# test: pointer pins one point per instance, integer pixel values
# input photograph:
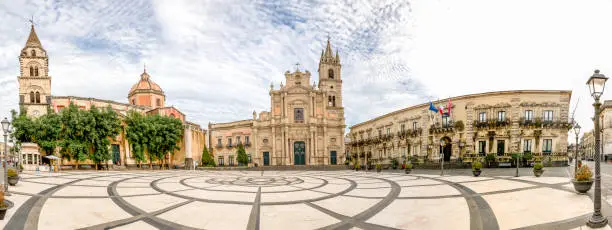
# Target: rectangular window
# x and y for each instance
(403, 127)
(231, 160)
(220, 161)
(482, 117)
(527, 146)
(414, 125)
(219, 142)
(379, 133)
(481, 147)
(501, 116)
(247, 140)
(548, 115)
(529, 115)
(445, 121)
(547, 148)
(298, 115)
(388, 131)
(229, 141)
(501, 147)
(250, 159)
(238, 140)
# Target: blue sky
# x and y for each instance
(215, 59)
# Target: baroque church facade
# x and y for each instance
(304, 127)
(145, 97)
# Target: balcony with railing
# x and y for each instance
(229, 145)
(219, 145)
(492, 123)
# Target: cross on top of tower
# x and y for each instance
(297, 66)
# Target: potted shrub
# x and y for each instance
(4, 204)
(394, 163)
(490, 158)
(408, 168)
(476, 166)
(13, 177)
(378, 167)
(356, 165)
(538, 169)
(583, 179)
(20, 167)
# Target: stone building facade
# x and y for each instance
(534, 121)
(587, 142)
(605, 123)
(145, 97)
(304, 127)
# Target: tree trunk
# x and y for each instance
(96, 166)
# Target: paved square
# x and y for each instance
(291, 200)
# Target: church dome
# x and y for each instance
(145, 85)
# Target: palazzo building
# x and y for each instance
(304, 127)
(502, 123)
(145, 97)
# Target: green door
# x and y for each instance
(266, 156)
(299, 153)
(332, 158)
(116, 154)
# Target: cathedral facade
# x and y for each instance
(145, 97)
(304, 127)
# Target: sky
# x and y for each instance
(215, 59)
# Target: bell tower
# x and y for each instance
(330, 76)
(34, 79)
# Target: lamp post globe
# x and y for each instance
(596, 84)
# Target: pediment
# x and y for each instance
(298, 89)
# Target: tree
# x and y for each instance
(207, 159)
(242, 158)
(136, 132)
(106, 125)
(75, 135)
(164, 134)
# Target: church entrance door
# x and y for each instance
(116, 154)
(299, 153)
(266, 156)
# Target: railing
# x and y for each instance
(219, 146)
(507, 157)
(247, 144)
(229, 145)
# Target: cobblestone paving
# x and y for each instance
(294, 200)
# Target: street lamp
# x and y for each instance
(5, 128)
(577, 132)
(597, 84)
(442, 143)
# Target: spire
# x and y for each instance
(328, 50)
(33, 38)
(337, 56)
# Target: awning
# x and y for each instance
(52, 157)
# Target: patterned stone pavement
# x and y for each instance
(293, 200)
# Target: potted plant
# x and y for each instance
(490, 158)
(538, 169)
(378, 167)
(4, 204)
(476, 166)
(408, 168)
(357, 165)
(20, 167)
(13, 177)
(583, 179)
(394, 163)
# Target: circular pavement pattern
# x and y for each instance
(292, 200)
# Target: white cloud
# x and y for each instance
(215, 59)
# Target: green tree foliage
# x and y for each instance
(207, 159)
(242, 158)
(77, 128)
(106, 124)
(136, 132)
(156, 135)
(48, 133)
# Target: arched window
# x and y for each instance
(32, 97)
(36, 71)
(334, 101)
(329, 100)
(31, 70)
(33, 53)
(37, 97)
(172, 115)
(330, 72)
(158, 102)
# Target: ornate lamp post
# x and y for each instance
(577, 132)
(597, 84)
(5, 128)
(442, 144)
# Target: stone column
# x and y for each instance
(188, 154)
(273, 154)
(325, 152)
